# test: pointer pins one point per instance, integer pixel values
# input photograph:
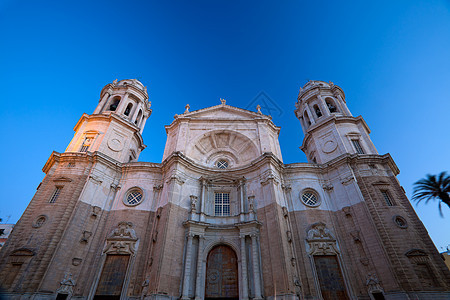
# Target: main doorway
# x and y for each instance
(221, 274)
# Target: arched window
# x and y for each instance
(138, 118)
(114, 103)
(331, 105)
(317, 110)
(128, 109)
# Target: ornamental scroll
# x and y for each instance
(321, 241)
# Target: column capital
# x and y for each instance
(286, 187)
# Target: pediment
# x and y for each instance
(416, 252)
(22, 252)
(380, 183)
(222, 112)
(222, 179)
(62, 179)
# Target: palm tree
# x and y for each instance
(433, 187)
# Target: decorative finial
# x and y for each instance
(149, 105)
(258, 108)
(187, 108)
(145, 89)
(223, 101)
(115, 82)
(331, 83)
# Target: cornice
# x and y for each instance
(142, 167)
(333, 119)
(331, 87)
(109, 117)
(265, 158)
(54, 157)
(111, 87)
(88, 156)
(190, 117)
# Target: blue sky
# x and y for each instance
(390, 57)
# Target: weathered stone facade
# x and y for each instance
(222, 216)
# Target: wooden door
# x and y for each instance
(330, 277)
(222, 274)
(112, 277)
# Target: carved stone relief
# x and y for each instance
(66, 285)
(122, 240)
(321, 241)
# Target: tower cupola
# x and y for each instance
(126, 98)
(329, 127)
(115, 128)
(317, 101)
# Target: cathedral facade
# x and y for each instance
(222, 217)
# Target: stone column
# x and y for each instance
(310, 115)
(323, 106)
(199, 280)
(102, 103)
(244, 269)
(344, 106)
(121, 106)
(187, 267)
(242, 206)
(144, 119)
(135, 113)
(202, 204)
(256, 275)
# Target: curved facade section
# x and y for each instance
(232, 147)
(222, 216)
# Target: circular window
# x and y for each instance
(40, 221)
(400, 222)
(133, 197)
(310, 198)
(222, 164)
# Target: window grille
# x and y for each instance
(55, 195)
(310, 199)
(134, 197)
(358, 147)
(387, 198)
(222, 204)
(86, 144)
(222, 164)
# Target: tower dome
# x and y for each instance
(126, 98)
(329, 127)
(318, 100)
(115, 128)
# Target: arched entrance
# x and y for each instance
(222, 274)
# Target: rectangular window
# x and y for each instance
(387, 198)
(86, 143)
(222, 204)
(358, 147)
(55, 194)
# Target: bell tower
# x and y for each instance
(117, 123)
(329, 127)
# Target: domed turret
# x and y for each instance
(329, 127)
(117, 123)
(128, 99)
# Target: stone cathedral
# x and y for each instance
(221, 217)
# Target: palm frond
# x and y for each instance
(433, 187)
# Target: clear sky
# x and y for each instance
(392, 58)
